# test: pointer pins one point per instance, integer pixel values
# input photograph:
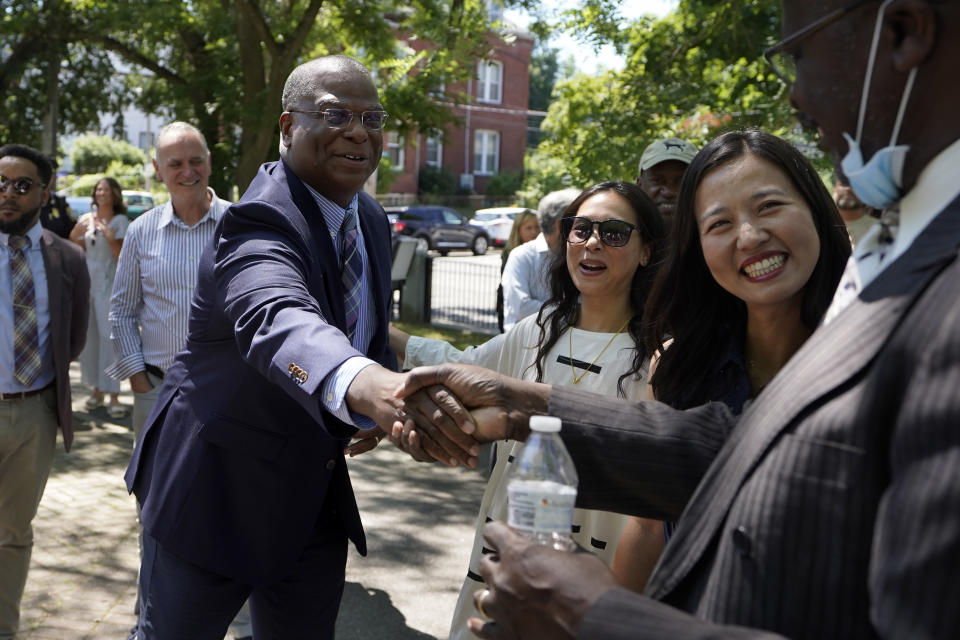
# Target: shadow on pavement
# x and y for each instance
(369, 613)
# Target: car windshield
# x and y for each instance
(483, 217)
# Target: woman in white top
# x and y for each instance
(100, 234)
(587, 335)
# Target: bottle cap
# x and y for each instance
(545, 424)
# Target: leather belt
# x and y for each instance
(20, 395)
(154, 370)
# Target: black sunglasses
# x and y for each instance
(613, 233)
(372, 120)
(21, 186)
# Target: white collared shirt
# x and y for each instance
(936, 187)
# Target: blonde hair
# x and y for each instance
(513, 241)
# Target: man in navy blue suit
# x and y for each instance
(240, 468)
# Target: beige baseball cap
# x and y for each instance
(667, 149)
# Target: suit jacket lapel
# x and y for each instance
(52, 264)
(832, 356)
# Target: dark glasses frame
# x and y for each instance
(779, 57)
(21, 186)
(337, 118)
(604, 230)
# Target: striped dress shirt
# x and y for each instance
(156, 276)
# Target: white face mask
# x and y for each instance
(879, 182)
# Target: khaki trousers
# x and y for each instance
(28, 435)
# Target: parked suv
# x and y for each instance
(438, 228)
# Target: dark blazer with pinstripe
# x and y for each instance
(831, 509)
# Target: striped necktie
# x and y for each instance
(26, 341)
(351, 270)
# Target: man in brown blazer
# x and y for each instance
(44, 297)
(831, 508)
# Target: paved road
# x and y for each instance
(419, 521)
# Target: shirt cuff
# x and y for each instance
(126, 366)
(334, 390)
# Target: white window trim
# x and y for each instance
(395, 142)
(481, 138)
(439, 142)
(483, 84)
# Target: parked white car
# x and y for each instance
(497, 221)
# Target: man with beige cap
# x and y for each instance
(661, 169)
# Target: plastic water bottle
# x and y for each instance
(542, 487)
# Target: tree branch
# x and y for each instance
(251, 10)
(134, 56)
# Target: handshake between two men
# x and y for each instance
(443, 413)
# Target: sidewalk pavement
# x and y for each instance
(419, 521)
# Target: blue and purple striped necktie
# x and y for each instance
(351, 270)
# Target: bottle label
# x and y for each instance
(540, 506)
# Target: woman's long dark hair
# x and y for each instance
(688, 305)
(563, 308)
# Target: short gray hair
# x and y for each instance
(180, 128)
(552, 206)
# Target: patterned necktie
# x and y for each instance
(867, 261)
(26, 342)
(351, 270)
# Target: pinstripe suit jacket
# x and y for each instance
(832, 508)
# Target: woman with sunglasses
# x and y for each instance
(758, 250)
(100, 234)
(588, 335)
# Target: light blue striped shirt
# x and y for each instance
(334, 388)
(34, 255)
(153, 287)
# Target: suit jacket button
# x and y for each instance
(741, 540)
(331, 464)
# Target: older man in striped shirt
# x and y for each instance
(157, 269)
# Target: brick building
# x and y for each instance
(493, 132)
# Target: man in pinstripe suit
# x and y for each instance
(831, 509)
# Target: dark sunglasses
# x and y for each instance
(372, 120)
(21, 186)
(613, 233)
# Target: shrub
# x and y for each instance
(94, 154)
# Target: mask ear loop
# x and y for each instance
(869, 76)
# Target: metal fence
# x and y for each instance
(463, 294)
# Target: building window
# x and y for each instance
(434, 151)
(486, 152)
(395, 146)
(490, 81)
(146, 140)
(494, 11)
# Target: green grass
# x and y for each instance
(460, 338)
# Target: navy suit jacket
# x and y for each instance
(239, 455)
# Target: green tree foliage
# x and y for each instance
(436, 180)
(544, 66)
(221, 64)
(506, 183)
(94, 154)
(693, 74)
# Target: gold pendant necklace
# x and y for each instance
(573, 371)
